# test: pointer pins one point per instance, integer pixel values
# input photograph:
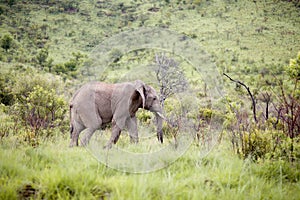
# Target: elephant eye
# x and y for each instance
(154, 98)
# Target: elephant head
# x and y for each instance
(145, 97)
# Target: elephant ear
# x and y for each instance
(140, 88)
(137, 98)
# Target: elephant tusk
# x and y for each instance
(160, 115)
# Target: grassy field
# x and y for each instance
(54, 171)
(250, 40)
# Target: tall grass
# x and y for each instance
(54, 171)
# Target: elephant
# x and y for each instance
(97, 104)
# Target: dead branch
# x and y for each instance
(250, 94)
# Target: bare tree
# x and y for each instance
(170, 77)
(171, 80)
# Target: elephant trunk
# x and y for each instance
(159, 122)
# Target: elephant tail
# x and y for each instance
(71, 122)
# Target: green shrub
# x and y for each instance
(70, 5)
(37, 106)
(42, 109)
(172, 106)
(115, 55)
(6, 42)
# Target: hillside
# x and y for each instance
(238, 34)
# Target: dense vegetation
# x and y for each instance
(45, 55)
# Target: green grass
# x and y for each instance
(54, 171)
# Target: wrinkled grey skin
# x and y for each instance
(96, 104)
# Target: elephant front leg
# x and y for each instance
(133, 130)
(116, 131)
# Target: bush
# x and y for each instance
(255, 144)
(6, 42)
(38, 107)
(269, 144)
(41, 111)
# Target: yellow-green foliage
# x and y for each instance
(256, 144)
(46, 103)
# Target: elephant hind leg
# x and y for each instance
(92, 123)
(76, 128)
